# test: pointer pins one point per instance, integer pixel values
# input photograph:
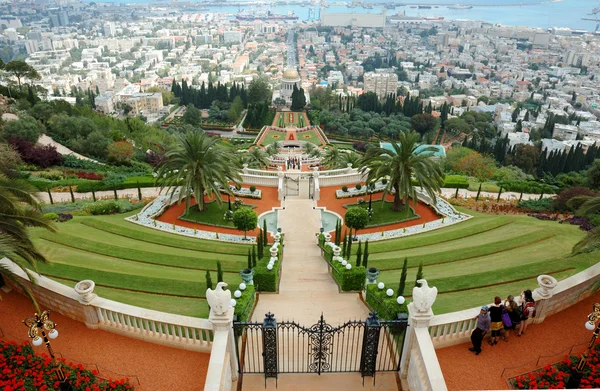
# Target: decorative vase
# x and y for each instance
(85, 289)
(372, 274)
(247, 276)
(546, 283)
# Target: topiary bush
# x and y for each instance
(252, 189)
(345, 189)
(358, 186)
(348, 280)
(102, 208)
(244, 304)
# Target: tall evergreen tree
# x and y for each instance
(209, 284)
(259, 246)
(249, 259)
(402, 283)
(253, 256)
(219, 272)
(365, 260)
(419, 275)
(358, 254)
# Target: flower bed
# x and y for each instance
(353, 192)
(582, 222)
(556, 376)
(245, 192)
(22, 369)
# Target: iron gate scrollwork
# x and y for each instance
(292, 186)
(367, 347)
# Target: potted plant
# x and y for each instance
(247, 276)
(372, 274)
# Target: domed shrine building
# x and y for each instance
(289, 79)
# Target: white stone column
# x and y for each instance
(223, 366)
(416, 319)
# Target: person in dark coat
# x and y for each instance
(483, 327)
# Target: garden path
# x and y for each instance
(306, 289)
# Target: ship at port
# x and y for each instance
(426, 7)
(460, 7)
(266, 16)
(434, 19)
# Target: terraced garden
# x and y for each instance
(138, 265)
(474, 261)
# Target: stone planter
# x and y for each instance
(547, 284)
(273, 251)
(85, 289)
(327, 237)
(247, 276)
(372, 274)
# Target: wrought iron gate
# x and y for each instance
(274, 347)
(311, 187)
(292, 186)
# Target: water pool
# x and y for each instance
(271, 218)
(328, 221)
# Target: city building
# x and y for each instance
(382, 82)
(144, 102)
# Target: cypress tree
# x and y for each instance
(219, 272)
(265, 234)
(259, 245)
(365, 260)
(93, 194)
(344, 243)
(478, 191)
(419, 275)
(349, 247)
(499, 193)
(139, 191)
(402, 283)
(253, 256)
(358, 254)
(209, 284)
(249, 259)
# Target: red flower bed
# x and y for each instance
(92, 176)
(556, 376)
(22, 370)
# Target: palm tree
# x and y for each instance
(586, 206)
(351, 158)
(199, 165)
(308, 147)
(333, 158)
(19, 209)
(401, 165)
(273, 148)
(256, 158)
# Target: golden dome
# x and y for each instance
(291, 74)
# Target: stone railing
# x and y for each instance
(551, 297)
(256, 172)
(81, 304)
(339, 171)
(344, 179)
(260, 180)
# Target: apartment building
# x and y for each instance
(381, 82)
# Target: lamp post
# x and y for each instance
(370, 187)
(42, 322)
(575, 378)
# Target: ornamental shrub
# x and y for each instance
(384, 181)
(560, 202)
(387, 308)
(344, 189)
(358, 186)
(252, 189)
(245, 219)
(51, 216)
(244, 304)
(102, 208)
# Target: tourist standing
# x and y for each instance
(497, 326)
(527, 311)
(483, 326)
(512, 308)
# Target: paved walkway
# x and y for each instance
(542, 344)
(306, 290)
(158, 368)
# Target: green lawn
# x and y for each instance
(213, 215)
(488, 255)
(273, 136)
(383, 213)
(137, 265)
(310, 136)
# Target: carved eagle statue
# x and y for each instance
(424, 297)
(219, 299)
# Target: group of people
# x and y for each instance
(502, 317)
(294, 163)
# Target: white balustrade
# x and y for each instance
(424, 371)
(268, 181)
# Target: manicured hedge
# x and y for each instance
(267, 280)
(85, 185)
(244, 303)
(456, 181)
(386, 307)
(348, 280)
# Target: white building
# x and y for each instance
(109, 29)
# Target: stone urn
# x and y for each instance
(372, 274)
(546, 283)
(327, 237)
(85, 289)
(273, 250)
(247, 276)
